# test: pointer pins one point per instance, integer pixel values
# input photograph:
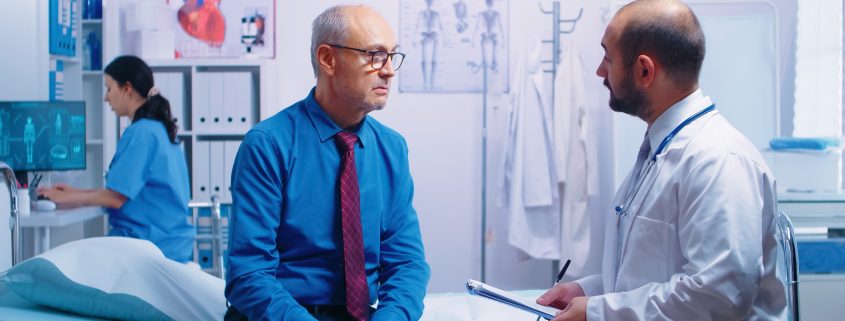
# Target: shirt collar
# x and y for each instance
(326, 127)
(675, 115)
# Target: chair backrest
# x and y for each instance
(786, 235)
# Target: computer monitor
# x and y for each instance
(42, 135)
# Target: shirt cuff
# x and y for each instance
(591, 284)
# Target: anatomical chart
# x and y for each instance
(450, 43)
(225, 28)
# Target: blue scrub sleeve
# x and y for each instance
(257, 189)
(404, 273)
(130, 167)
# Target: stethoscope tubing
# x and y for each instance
(622, 209)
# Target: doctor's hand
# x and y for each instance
(575, 311)
(560, 295)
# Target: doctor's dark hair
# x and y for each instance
(133, 70)
(677, 43)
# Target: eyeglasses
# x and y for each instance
(379, 57)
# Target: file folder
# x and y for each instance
(489, 292)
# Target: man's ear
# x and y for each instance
(326, 60)
(644, 71)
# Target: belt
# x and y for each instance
(315, 309)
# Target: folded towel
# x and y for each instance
(803, 143)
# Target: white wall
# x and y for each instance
(444, 137)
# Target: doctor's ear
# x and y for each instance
(644, 69)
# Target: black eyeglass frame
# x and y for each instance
(373, 53)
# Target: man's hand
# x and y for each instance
(560, 295)
(575, 311)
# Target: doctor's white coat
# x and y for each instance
(529, 188)
(698, 242)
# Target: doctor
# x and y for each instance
(692, 234)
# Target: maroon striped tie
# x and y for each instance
(357, 292)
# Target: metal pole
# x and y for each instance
(15, 219)
(484, 174)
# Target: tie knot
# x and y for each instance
(346, 140)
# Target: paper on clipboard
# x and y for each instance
(487, 291)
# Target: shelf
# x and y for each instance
(205, 62)
(92, 72)
(65, 59)
(92, 21)
(92, 141)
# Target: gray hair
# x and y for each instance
(328, 28)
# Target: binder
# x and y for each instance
(237, 100)
(200, 171)
(230, 149)
(171, 86)
(217, 168)
(489, 292)
(215, 102)
(200, 102)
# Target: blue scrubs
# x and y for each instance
(151, 172)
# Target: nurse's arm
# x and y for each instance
(66, 198)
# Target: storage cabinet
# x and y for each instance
(813, 215)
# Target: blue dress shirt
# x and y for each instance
(152, 174)
(285, 243)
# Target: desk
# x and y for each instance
(42, 221)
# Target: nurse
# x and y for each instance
(147, 187)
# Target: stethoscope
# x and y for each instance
(622, 209)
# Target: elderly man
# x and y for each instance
(323, 225)
(693, 230)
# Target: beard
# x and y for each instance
(634, 102)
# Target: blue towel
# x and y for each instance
(805, 143)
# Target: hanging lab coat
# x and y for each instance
(698, 241)
(576, 165)
(529, 187)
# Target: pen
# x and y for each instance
(562, 271)
(560, 276)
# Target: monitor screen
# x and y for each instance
(43, 136)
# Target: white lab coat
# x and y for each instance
(699, 238)
(529, 187)
(576, 164)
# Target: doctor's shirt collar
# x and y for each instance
(675, 115)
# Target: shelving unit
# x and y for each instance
(33, 68)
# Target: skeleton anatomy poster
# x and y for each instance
(449, 43)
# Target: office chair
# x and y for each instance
(786, 232)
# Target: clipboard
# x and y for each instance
(489, 292)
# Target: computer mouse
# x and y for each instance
(44, 205)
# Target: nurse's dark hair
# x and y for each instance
(676, 42)
(135, 72)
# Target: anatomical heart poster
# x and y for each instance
(225, 28)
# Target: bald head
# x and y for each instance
(668, 31)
